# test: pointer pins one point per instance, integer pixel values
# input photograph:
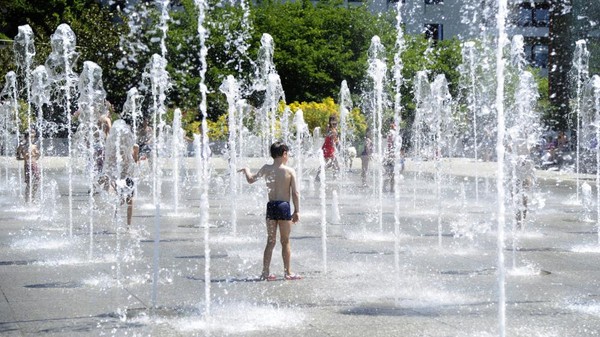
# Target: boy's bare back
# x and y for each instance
(280, 181)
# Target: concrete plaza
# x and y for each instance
(92, 277)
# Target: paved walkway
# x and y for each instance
(437, 277)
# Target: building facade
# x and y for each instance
(469, 19)
(550, 29)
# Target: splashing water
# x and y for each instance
(502, 39)
(323, 197)
(398, 83)
(346, 135)
(335, 206)
(230, 88)
(201, 6)
(178, 151)
(377, 73)
(60, 65)
(441, 129)
(40, 97)
(579, 76)
(592, 121)
(11, 120)
(90, 137)
(24, 54)
(158, 78)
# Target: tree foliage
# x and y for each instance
(317, 46)
(97, 29)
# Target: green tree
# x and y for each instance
(98, 35)
(97, 28)
(318, 46)
(224, 24)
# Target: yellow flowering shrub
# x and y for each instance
(217, 130)
(315, 114)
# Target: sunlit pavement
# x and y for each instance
(369, 282)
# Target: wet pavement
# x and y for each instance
(432, 270)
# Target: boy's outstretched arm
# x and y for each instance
(251, 178)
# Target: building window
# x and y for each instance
(541, 15)
(532, 14)
(524, 17)
(539, 55)
(434, 2)
(434, 31)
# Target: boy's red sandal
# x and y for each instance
(268, 278)
(292, 277)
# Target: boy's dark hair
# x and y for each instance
(27, 135)
(277, 149)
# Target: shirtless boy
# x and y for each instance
(281, 183)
